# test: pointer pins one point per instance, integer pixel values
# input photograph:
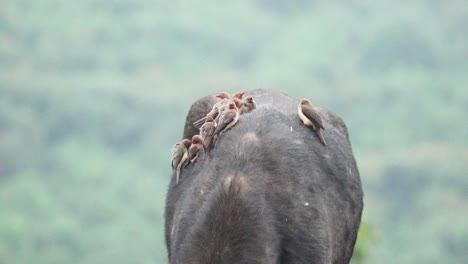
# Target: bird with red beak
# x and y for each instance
(237, 103)
(225, 95)
(238, 95)
(216, 109)
(311, 118)
(195, 148)
(179, 156)
(207, 133)
(227, 119)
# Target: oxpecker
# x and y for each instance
(207, 133)
(227, 119)
(179, 156)
(195, 148)
(311, 118)
(219, 106)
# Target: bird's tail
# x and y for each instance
(215, 139)
(207, 151)
(322, 138)
(185, 164)
(208, 145)
(199, 122)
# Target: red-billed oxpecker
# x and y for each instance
(225, 95)
(238, 95)
(219, 106)
(227, 119)
(207, 133)
(236, 101)
(311, 118)
(195, 148)
(179, 156)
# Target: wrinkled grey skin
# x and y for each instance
(270, 193)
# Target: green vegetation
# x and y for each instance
(93, 94)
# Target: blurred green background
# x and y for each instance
(94, 93)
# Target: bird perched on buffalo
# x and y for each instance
(207, 133)
(247, 105)
(179, 156)
(237, 103)
(219, 106)
(311, 118)
(227, 119)
(195, 148)
(238, 95)
(225, 95)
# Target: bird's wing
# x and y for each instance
(220, 104)
(174, 149)
(207, 130)
(192, 151)
(224, 121)
(176, 155)
(207, 134)
(199, 121)
(214, 112)
(313, 116)
(210, 130)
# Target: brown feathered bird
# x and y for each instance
(238, 95)
(179, 156)
(247, 105)
(219, 106)
(207, 133)
(311, 118)
(195, 148)
(237, 103)
(227, 119)
(225, 95)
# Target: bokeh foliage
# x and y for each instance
(93, 94)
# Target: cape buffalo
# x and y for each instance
(271, 192)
